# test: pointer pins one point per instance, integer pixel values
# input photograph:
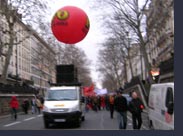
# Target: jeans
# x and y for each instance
(122, 119)
(14, 113)
(34, 109)
(111, 110)
(137, 121)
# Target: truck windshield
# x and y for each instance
(57, 95)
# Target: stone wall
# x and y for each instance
(6, 98)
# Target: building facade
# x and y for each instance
(32, 59)
(160, 31)
(43, 63)
(137, 62)
(160, 45)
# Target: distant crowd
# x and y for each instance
(119, 103)
(114, 102)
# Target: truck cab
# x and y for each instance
(63, 104)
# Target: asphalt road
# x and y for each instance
(93, 121)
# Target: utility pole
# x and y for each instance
(129, 53)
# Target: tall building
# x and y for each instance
(43, 62)
(137, 62)
(160, 46)
(32, 59)
(160, 31)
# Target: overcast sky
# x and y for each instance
(91, 43)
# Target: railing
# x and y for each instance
(6, 98)
(5, 89)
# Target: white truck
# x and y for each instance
(161, 106)
(63, 104)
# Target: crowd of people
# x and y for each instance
(97, 103)
(117, 102)
(35, 105)
(114, 102)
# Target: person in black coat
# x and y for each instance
(136, 107)
(25, 106)
(120, 104)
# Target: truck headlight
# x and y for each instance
(74, 108)
(46, 109)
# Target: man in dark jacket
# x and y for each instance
(25, 106)
(135, 107)
(120, 105)
(111, 105)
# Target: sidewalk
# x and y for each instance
(9, 115)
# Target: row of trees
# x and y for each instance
(71, 54)
(34, 15)
(125, 26)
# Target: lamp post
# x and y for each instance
(16, 64)
(128, 50)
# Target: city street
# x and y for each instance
(61, 58)
(93, 121)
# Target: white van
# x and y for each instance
(63, 104)
(161, 106)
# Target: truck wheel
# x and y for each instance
(78, 123)
(46, 124)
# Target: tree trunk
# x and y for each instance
(141, 63)
(146, 61)
(118, 78)
(8, 55)
(126, 80)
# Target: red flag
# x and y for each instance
(89, 91)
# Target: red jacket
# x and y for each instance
(14, 102)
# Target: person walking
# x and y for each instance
(38, 105)
(95, 103)
(99, 102)
(136, 107)
(14, 106)
(107, 102)
(111, 105)
(120, 104)
(102, 102)
(25, 106)
(86, 104)
(33, 104)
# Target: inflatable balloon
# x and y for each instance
(70, 25)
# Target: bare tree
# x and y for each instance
(109, 84)
(110, 63)
(12, 13)
(122, 41)
(131, 15)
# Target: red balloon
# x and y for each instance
(70, 25)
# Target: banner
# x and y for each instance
(101, 91)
